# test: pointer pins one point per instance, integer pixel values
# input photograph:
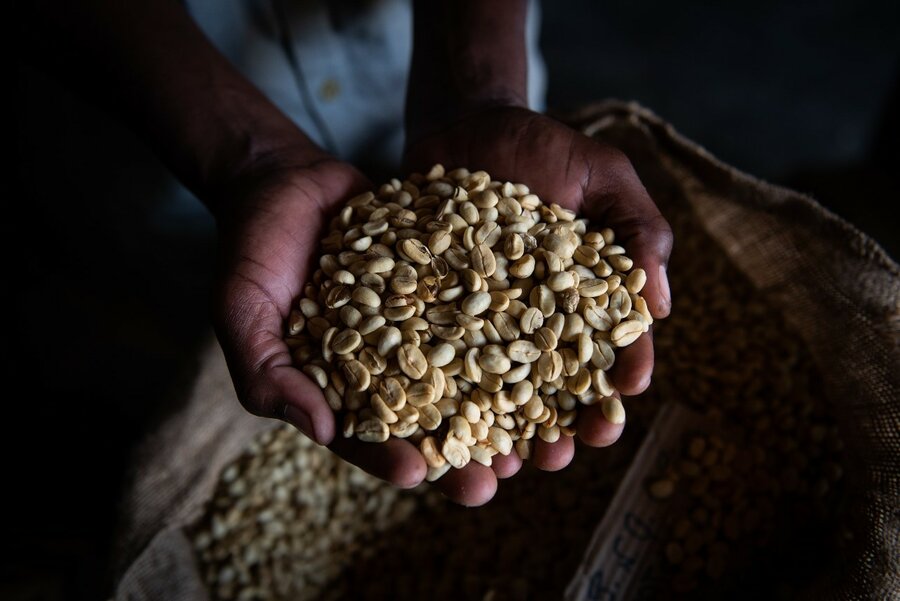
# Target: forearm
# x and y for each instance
(467, 55)
(148, 61)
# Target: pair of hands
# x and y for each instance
(270, 231)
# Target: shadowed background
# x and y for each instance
(107, 288)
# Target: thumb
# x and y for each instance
(615, 197)
(249, 327)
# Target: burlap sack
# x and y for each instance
(837, 287)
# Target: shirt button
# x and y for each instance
(329, 90)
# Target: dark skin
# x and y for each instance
(272, 189)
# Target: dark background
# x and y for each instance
(107, 292)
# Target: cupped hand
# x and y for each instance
(563, 166)
(271, 222)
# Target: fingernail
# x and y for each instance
(300, 420)
(664, 288)
(613, 410)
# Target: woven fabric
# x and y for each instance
(836, 287)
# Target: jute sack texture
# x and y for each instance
(836, 287)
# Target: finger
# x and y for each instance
(471, 486)
(396, 460)
(552, 457)
(249, 327)
(633, 368)
(505, 466)
(600, 425)
(616, 198)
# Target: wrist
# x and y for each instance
(248, 142)
(468, 56)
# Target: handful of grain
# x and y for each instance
(467, 316)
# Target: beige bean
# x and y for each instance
(603, 356)
(339, 296)
(545, 339)
(586, 255)
(429, 417)
(420, 394)
(460, 428)
(371, 324)
(594, 240)
(531, 320)
(348, 428)
(592, 288)
(481, 455)
(380, 265)
(470, 411)
(316, 374)
(613, 410)
(382, 411)
(296, 323)
(523, 267)
(580, 382)
(585, 347)
(549, 366)
(404, 429)
(561, 281)
(350, 316)
(476, 303)
(480, 428)
(471, 366)
(598, 318)
(611, 249)
(513, 247)
(550, 434)
(447, 406)
(534, 408)
(571, 364)
(366, 297)
(523, 449)
(636, 280)
(620, 262)
(517, 373)
(390, 340)
(372, 430)
(490, 382)
(568, 300)
(393, 393)
(640, 305)
(414, 250)
(441, 355)
(500, 440)
(408, 414)
(626, 332)
(439, 242)
(488, 234)
(456, 452)
(346, 341)
(494, 364)
(506, 326)
(429, 449)
(499, 301)
(483, 261)
(412, 362)
(448, 333)
(356, 375)
(601, 383)
(523, 351)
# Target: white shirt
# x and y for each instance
(337, 68)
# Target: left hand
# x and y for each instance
(559, 165)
